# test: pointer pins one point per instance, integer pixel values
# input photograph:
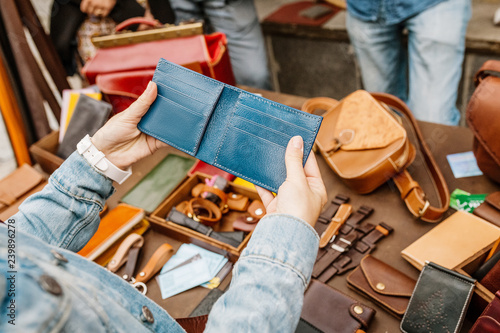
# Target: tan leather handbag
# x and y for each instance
(364, 142)
(483, 118)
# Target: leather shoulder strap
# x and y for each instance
(490, 65)
(411, 192)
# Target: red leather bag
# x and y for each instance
(123, 72)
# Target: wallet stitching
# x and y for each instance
(271, 116)
(197, 75)
(185, 108)
(371, 285)
(166, 141)
(357, 303)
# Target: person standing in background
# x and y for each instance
(238, 20)
(426, 71)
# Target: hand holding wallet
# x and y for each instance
(236, 131)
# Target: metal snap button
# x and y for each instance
(59, 257)
(380, 286)
(259, 211)
(49, 284)
(147, 315)
(358, 309)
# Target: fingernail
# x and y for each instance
(297, 142)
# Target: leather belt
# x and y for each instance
(195, 206)
(333, 228)
(339, 246)
(232, 238)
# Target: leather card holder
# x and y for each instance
(236, 131)
(489, 320)
(328, 310)
(382, 283)
(490, 208)
(439, 302)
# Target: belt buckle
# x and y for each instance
(422, 211)
(339, 248)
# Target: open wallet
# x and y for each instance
(234, 130)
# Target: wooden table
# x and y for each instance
(389, 208)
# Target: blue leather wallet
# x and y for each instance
(224, 126)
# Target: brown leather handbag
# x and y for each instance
(483, 118)
(364, 142)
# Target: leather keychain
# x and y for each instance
(157, 261)
(121, 255)
(333, 228)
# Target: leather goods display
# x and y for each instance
(439, 301)
(89, 115)
(364, 142)
(328, 310)
(122, 69)
(383, 284)
(490, 209)
(236, 131)
(158, 183)
(459, 238)
(489, 320)
(354, 240)
(210, 170)
(482, 111)
(116, 223)
(17, 186)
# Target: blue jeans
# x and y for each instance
(238, 20)
(427, 73)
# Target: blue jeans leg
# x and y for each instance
(381, 55)
(436, 43)
(238, 20)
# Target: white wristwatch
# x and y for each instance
(99, 162)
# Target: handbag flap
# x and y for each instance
(363, 123)
(386, 280)
(18, 183)
(494, 200)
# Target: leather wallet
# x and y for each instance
(490, 209)
(382, 283)
(17, 186)
(89, 115)
(489, 320)
(328, 310)
(459, 238)
(439, 301)
(236, 131)
(158, 183)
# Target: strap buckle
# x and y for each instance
(422, 211)
(342, 247)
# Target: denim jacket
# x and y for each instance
(49, 288)
(388, 11)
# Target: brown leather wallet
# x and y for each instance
(489, 321)
(328, 310)
(382, 283)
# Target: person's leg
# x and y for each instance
(186, 10)
(436, 44)
(381, 56)
(238, 20)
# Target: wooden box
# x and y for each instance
(44, 152)
(183, 192)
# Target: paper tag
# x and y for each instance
(464, 165)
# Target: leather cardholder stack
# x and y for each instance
(330, 311)
(16, 187)
(460, 238)
(229, 128)
(489, 320)
(89, 115)
(439, 302)
(159, 182)
(490, 208)
(383, 284)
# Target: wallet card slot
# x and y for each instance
(176, 120)
(260, 131)
(247, 154)
(183, 87)
(186, 101)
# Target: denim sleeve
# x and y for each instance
(269, 279)
(66, 212)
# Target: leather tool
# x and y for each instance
(158, 259)
(121, 255)
(333, 228)
(232, 238)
